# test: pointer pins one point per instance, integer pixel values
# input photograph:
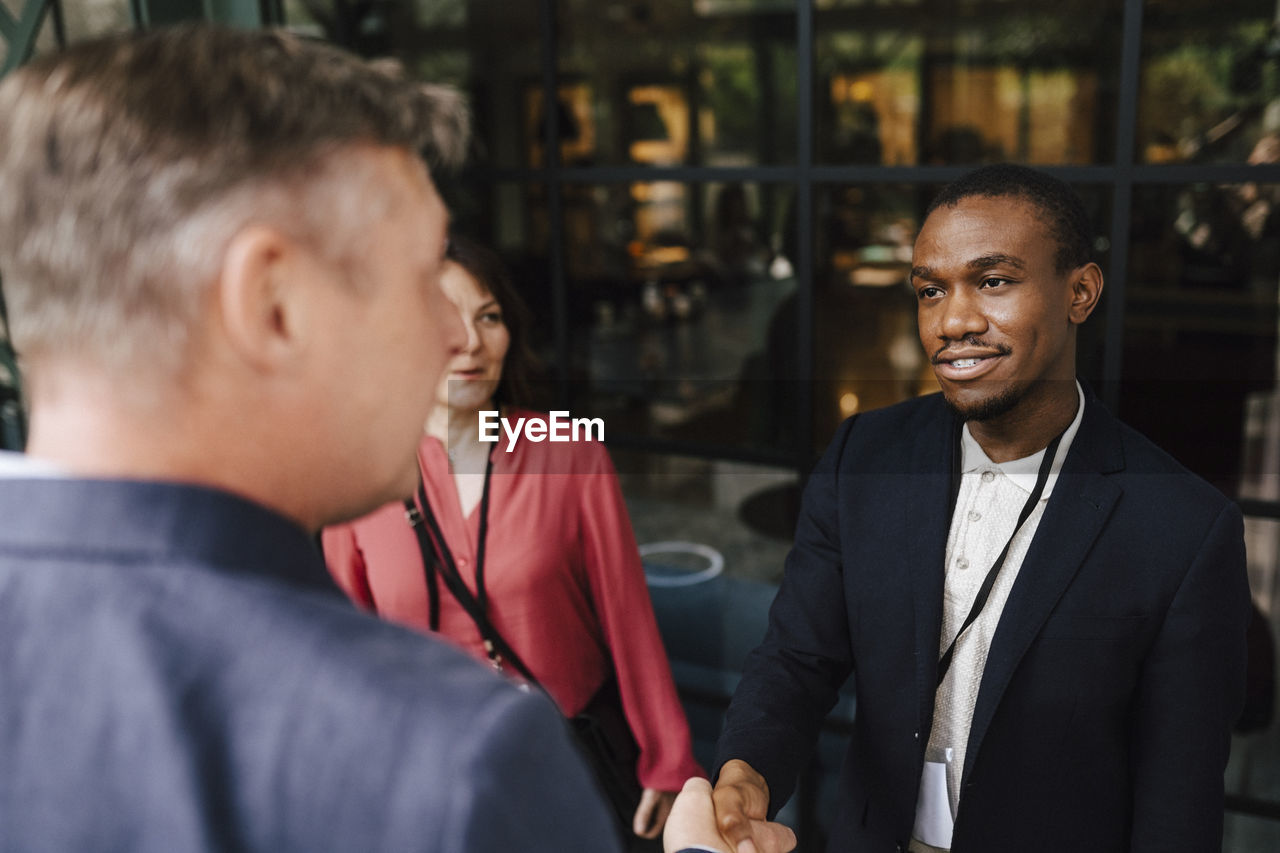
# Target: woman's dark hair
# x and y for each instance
(520, 365)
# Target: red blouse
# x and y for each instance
(563, 577)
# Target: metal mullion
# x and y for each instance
(1138, 175)
(8, 23)
(271, 12)
(824, 174)
(1252, 806)
(701, 449)
(59, 24)
(1122, 201)
(943, 174)
(683, 174)
(21, 32)
(1208, 173)
(555, 202)
(804, 238)
(1258, 508)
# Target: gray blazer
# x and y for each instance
(177, 673)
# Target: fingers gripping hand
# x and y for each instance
(741, 800)
(693, 823)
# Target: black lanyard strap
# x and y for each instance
(437, 558)
(1042, 478)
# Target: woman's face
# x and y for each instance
(473, 374)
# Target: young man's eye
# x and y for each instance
(928, 292)
(994, 281)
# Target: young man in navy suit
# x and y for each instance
(1043, 613)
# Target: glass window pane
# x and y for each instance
(489, 48)
(1200, 352)
(713, 537)
(511, 218)
(677, 292)
(968, 83)
(46, 40)
(300, 16)
(867, 352)
(1210, 80)
(85, 19)
(1254, 769)
(744, 513)
(1249, 834)
(677, 83)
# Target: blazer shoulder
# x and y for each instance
(885, 438)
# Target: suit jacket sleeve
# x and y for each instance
(1190, 692)
(519, 785)
(791, 681)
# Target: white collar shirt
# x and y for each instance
(991, 497)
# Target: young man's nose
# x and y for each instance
(961, 317)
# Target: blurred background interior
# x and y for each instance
(710, 206)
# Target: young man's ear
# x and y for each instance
(257, 295)
(1086, 290)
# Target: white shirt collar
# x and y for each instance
(1021, 472)
(15, 466)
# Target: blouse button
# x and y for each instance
(962, 563)
(462, 562)
(974, 515)
(988, 476)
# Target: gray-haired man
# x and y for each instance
(221, 252)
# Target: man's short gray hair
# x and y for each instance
(128, 163)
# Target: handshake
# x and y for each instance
(728, 819)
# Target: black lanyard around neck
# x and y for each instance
(439, 560)
(1042, 478)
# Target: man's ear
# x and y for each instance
(258, 296)
(1086, 290)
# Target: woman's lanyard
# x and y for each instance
(420, 516)
(944, 662)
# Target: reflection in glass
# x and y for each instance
(1210, 80)
(489, 48)
(1255, 754)
(677, 83)
(1200, 358)
(1247, 832)
(91, 18)
(966, 85)
(46, 38)
(867, 353)
(744, 512)
(676, 290)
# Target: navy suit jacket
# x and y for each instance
(177, 673)
(1116, 670)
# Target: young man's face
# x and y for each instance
(995, 313)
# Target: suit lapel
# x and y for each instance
(928, 520)
(1078, 509)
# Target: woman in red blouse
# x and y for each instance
(559, 571)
